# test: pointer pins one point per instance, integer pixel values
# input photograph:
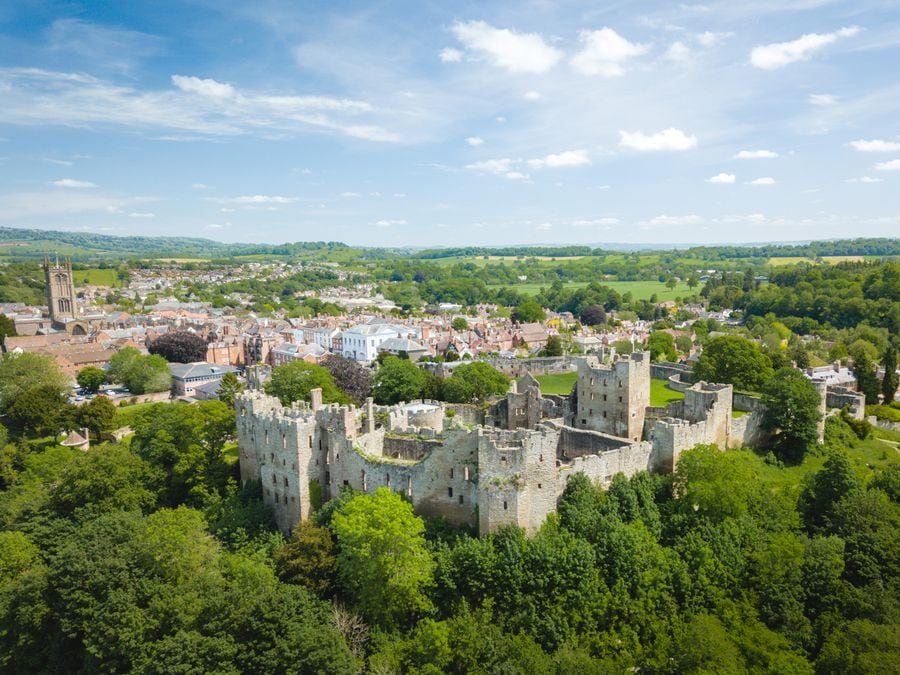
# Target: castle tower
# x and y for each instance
(613, 399)
(60, 290)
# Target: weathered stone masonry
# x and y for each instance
(510, 470)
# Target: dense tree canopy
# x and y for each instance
(471, 382)
(398, 380)
(141, 374)
(293, 381)
(91, 378)
(351, 377)
(732, 359)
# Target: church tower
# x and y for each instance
(60, 290)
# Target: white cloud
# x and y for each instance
(756, 154)
(497, 167)
(767, 180)
(389, 223)
(780, 54)
(710, 39)
(72, 183)
(606, 221)
(876, 146)
(200, 186)
(677, 51)
(604, 52)
(192, 107)
(201, 87)
(350, 195)
(256, 200)
(893, 165)
(544, 226)
(865, 179)
(500, 120)
(822, 99)
(505, 48)
(58, 202)
(722, 178)
(516, 175)
(562, 159)
(474, 140)
(218, 226)
(671, 221)
(667, 139)
(450, 55)
(141, 214)
(60, 162)
(532, 95)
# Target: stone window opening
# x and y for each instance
(327, 476)
(604, 413)
(365, 483)
(408, 486)
(592, 396)
(540, 485)
(267, 436)
(285, 482)
(450, 492)
(387, 479)
(460, 499)
(283, 441)
(310, 443)
(451, 473)
(283, 462)
(591, 412)
(293, 467)
(620, 399)
(274, 479)
(271, 456)
(620, 385)
(592, 384)
(541, 457)
(346, 482)
(604, 397)
(505, 506)
(243, 411)
(466, 472)
(585, 421)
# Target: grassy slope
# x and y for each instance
(640, 290)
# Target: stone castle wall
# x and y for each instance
(613, 398)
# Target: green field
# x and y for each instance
(96, 277)
(640, 290)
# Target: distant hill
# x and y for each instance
(24, 243)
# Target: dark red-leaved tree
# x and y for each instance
(355, 380)
(181, 347)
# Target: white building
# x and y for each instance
(361, 342)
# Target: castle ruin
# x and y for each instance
(506, 465)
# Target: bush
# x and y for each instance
(888, 413)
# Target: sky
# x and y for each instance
(430, 123)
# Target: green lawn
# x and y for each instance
(661, 395)
(558, 383)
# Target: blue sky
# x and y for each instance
(453, 123)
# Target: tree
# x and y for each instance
(713, 484)
(107, 478)
(7, 328)
(593, 315)
(866, 379)
(351, 377)
(91, 378)
(671, 283)
(792, 414)
(554, 346)
(20, 372)
(684, 344)
(731, 359)
(42, 409)
(229, 387)
(459, 323)
(98, 415)
(179, 347)
(140, 374)
(528, 312)
(308, 559)
(472, 382)
(662, 346)
(383, 561)
(293, 382)
(823, 490)
(890, 382)
(398, 380)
